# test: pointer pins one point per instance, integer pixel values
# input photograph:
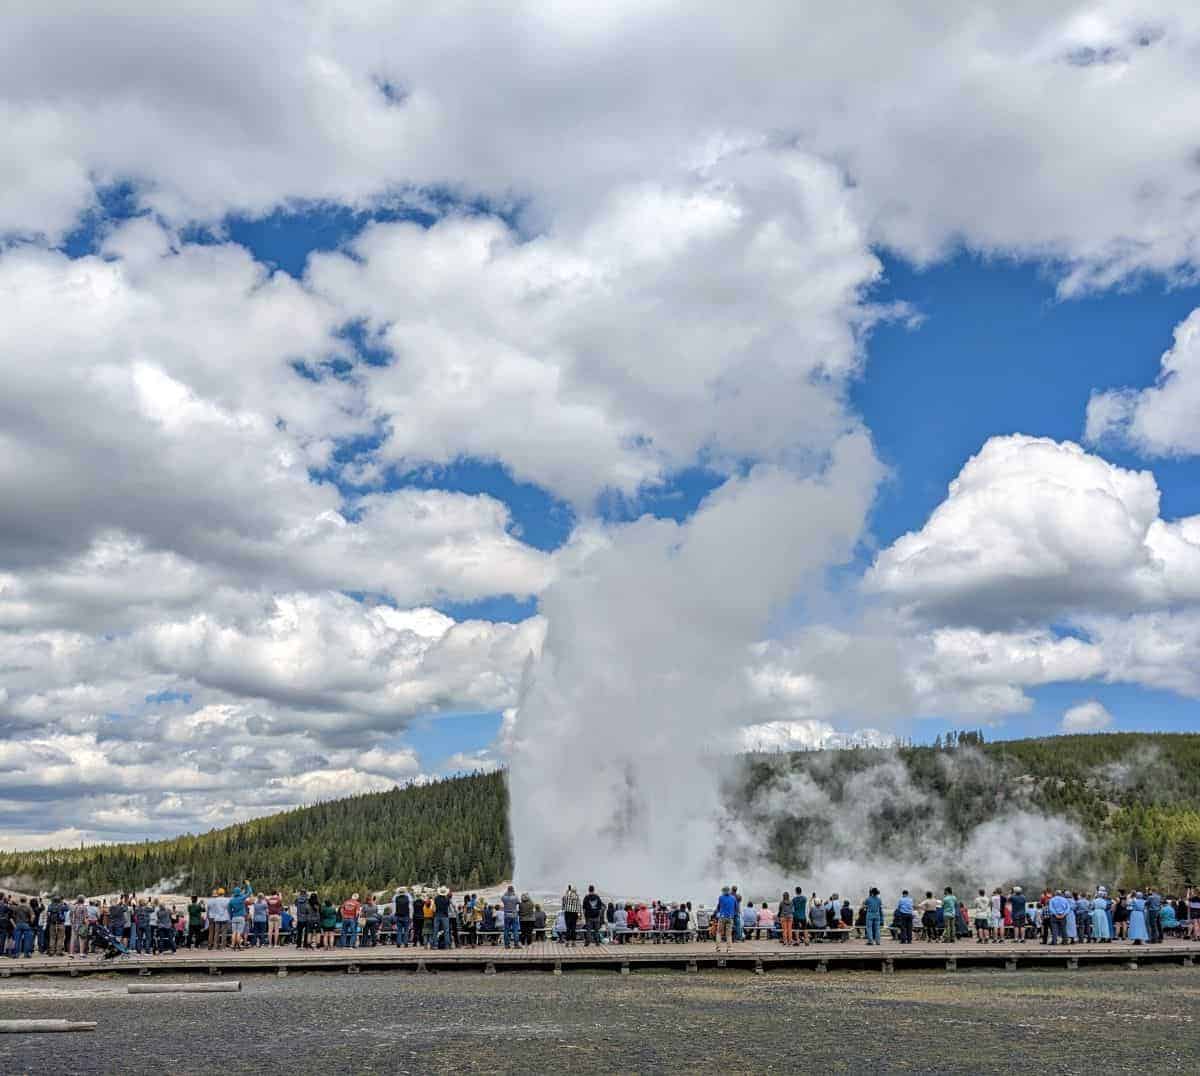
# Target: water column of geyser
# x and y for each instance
(641, 684)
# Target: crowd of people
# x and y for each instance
(436, 918)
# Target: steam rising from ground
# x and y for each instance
(615, 774)
(845, 824)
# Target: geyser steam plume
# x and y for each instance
(641, 682)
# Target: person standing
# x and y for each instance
(141, 921)
(1154, 904)
(571, 907)
(164, 929)
(120, 921)
(799, 917)
(1016, 905)
(510, 905)
(981, 911)
(1057, 912)
(218, 919)
(526, 913)
(418, 918)
(593, 912)
(1101, 930)
(237, 919)
(874, 917)
(949, 916)
(785, 918)
(274, 917)
(904, 917)
(22, 929)
(327, 917)
(727, 912)
(56, 927)
(195, 922)
(78, 920)
(442, 938)
(1137, 920)
(403, 910)
(370, 915)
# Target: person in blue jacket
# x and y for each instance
(727, 911)
(874, 916)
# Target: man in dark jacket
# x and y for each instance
(22, 920)
(403, 917)
(593, 913)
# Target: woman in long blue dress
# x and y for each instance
(1137, 920)
(1069, 921)
(1100, 927)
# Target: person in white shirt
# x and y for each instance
(218, 919)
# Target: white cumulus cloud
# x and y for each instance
(1090, 716)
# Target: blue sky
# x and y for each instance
(995, 350)
(271, 374)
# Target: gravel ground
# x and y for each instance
(1087, 1021)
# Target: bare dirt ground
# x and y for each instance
(1086, 1021)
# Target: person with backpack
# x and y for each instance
(56, 926)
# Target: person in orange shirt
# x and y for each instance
(350, 910)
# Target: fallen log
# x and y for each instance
(185, 988)
(14, 1027)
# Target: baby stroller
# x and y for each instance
(99, 934)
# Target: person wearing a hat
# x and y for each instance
(442, 938)
(56, 928)
(527, 911)
(1017, 910)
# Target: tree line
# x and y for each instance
(1136, 796)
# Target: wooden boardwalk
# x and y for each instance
(754, 956)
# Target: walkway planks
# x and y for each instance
(757, 956)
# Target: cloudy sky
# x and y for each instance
(343, 346)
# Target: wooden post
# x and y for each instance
(1072, 963)
(758, 967)
(624, 967)
(951, 963)
(822, 965)
(1010, 964)
(558, 967)
(889, 966)
(691, 966)
(489, 968)
(213, 970)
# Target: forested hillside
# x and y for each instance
(1136, 796)
(454, 830)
